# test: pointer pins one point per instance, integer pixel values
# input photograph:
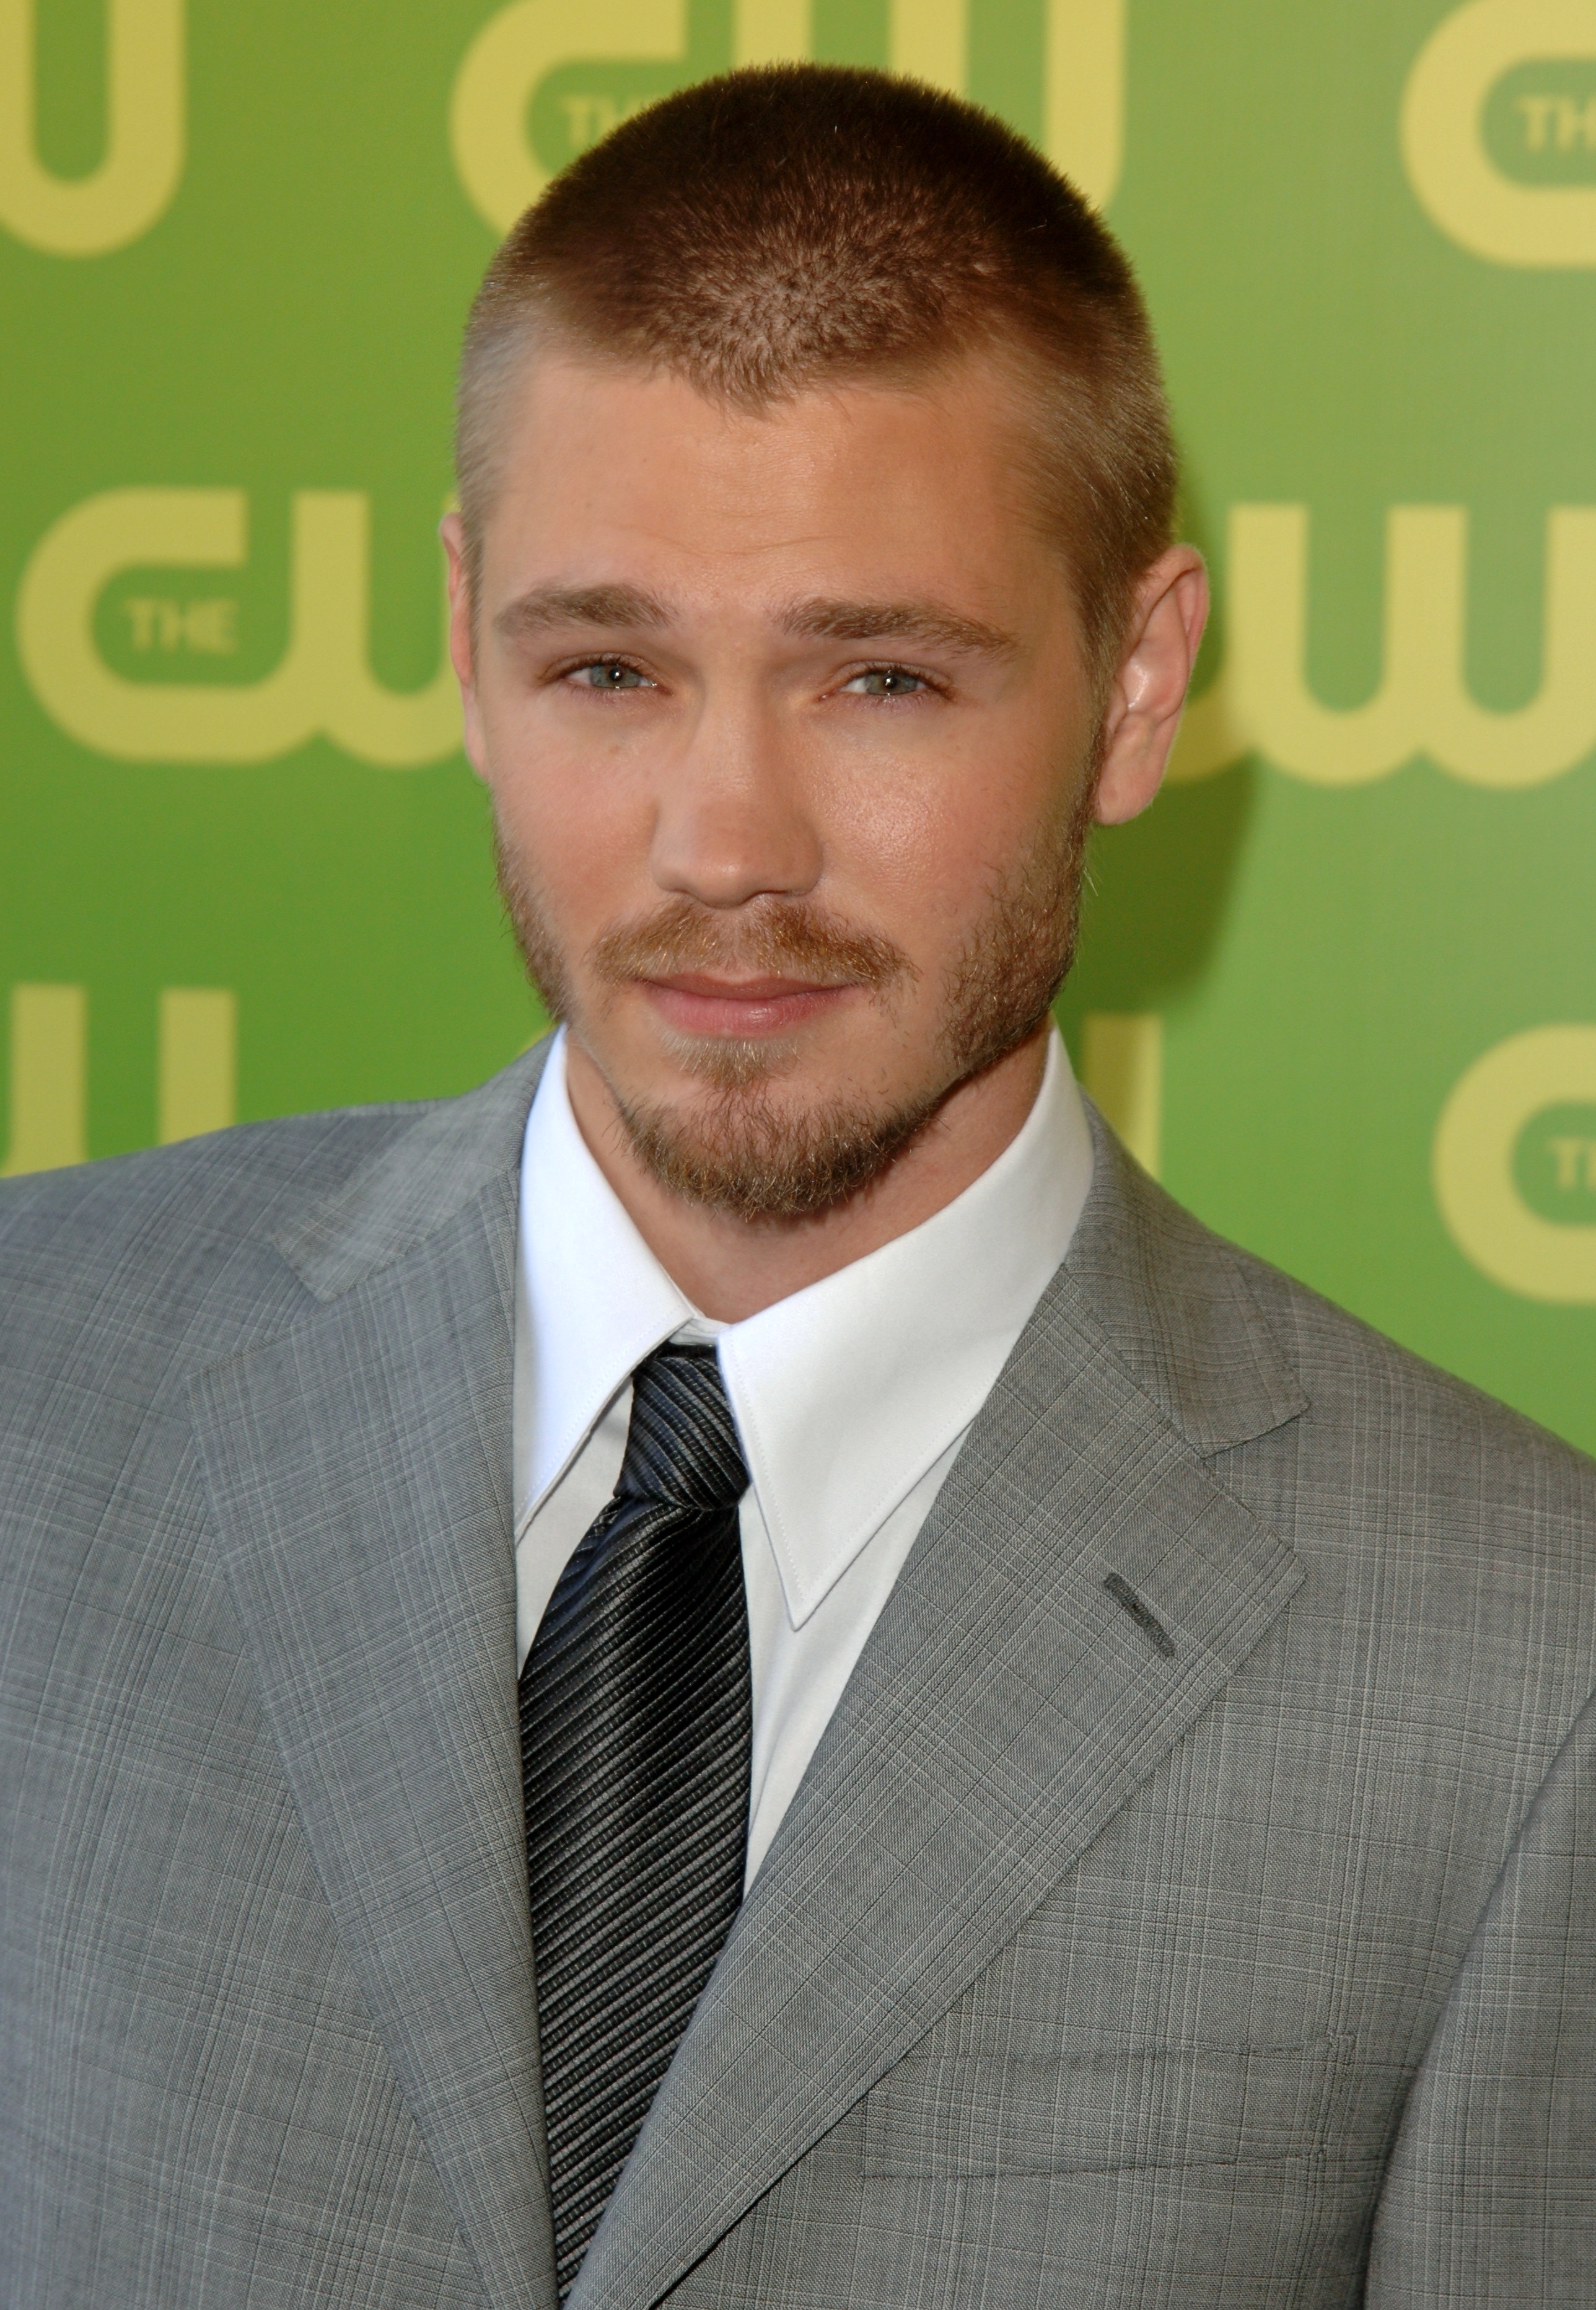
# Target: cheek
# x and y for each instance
(579, 831)
(921, 855)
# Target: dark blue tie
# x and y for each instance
(636, 1737)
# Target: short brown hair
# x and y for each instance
(795, 224)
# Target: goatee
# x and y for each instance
(740, 1150)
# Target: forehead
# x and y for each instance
(608, 472)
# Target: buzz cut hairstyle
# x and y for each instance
(790, 227)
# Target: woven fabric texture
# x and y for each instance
(1251, 1974)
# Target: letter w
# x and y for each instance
(1261, 702)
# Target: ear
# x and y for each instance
(451, 529)
(1149, 685)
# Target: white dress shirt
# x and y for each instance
(852, 1397)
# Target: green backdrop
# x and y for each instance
(1338, 988)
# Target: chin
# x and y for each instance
(757, 1147)
(732, 1064)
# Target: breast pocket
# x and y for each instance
(1096, 2111)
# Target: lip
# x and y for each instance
(696, 1003)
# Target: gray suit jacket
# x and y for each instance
(1082, 1972)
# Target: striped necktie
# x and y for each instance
(636, 1737)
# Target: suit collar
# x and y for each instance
(1172, 1301)
(419, 1183)
(1003, 1709)
(1174, 1305)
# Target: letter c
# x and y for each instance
(1082, 76)
(138, 721)
(1458, 185)
(323, 683)
(1472, 1165)
(501, 69)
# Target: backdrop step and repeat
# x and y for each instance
(1337, 989)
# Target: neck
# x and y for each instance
(731, 1268)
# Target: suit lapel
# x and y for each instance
(358, 1471)
(1003, 1710)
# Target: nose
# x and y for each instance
(732, 822)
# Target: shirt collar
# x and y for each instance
(845, 1393)
(591, 1299)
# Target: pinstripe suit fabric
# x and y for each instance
(1262, 1972)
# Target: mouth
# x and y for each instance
(697, 1003)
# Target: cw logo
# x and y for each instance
(136, 179)
(1261, 702)
(521, 46)
(1454, 176)
(322, 687)
(1477, 1166)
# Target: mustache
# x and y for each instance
(787, 937)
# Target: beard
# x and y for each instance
(741, 1150)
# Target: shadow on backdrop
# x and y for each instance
(1156, 892)
(1153, 913)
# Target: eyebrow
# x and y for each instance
(614, 606)
(928, 622)
(628, 608)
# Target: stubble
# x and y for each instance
(741, 1148)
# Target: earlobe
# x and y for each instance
(1130, 779)
(1150, 689)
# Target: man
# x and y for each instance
(740, 1668)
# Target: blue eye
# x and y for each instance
(610, 673)
(885, 682)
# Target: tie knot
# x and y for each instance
(683, 1446)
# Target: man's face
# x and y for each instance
(789, 736)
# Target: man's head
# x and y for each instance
(782, 230)
(813, 591)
